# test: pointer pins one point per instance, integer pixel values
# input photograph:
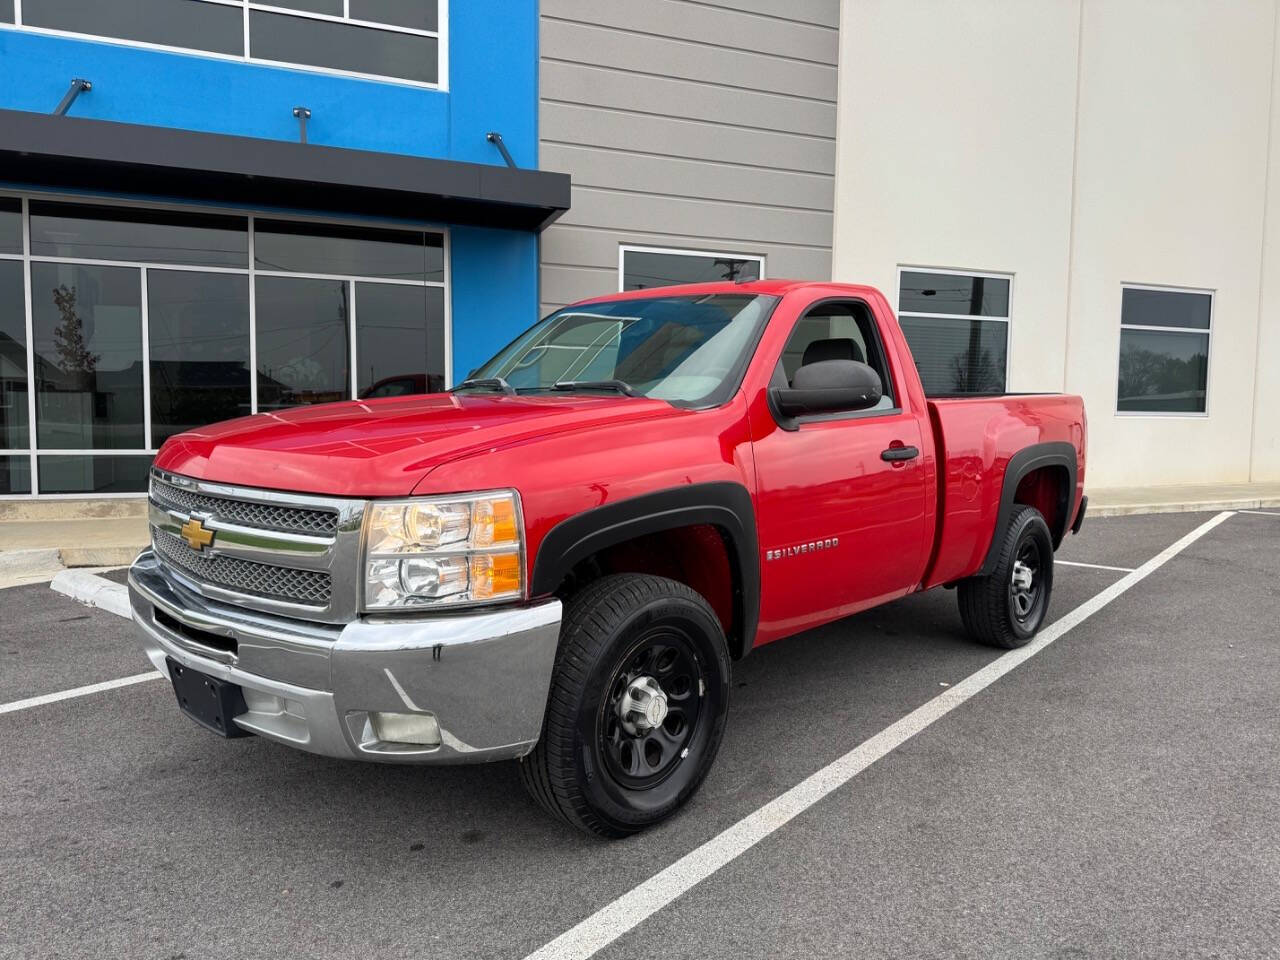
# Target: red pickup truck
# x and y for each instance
(558, 560)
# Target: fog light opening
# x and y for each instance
(420, 729)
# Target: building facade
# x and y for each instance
(215, 207)
(1071, 195)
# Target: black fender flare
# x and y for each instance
(726, 506)
(1057, 454)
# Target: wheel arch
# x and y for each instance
(726, 507)
(1047, 459)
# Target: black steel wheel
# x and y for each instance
(637, 708)
(1006, 608)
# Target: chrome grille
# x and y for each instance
(265, 516)
(310, 587)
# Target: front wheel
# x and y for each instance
(1006, 608)
(637, 707)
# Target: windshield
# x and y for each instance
(688, 350)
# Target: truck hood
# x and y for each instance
(383, 448)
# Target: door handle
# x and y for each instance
(899, 453)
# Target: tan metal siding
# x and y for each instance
(697, 124)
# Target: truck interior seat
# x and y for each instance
(834, 348)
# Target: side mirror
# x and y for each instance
(829, 386)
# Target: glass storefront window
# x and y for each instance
(400, 334)
(147, 322)
(304, 328)
(87, 323)
(199, 327)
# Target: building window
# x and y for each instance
(385, 39)
(957, 325)
(133, 324)
(1164, 350)
(640, 268)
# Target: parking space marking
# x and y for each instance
(640, 902)
(74, 692)
(1092, 566)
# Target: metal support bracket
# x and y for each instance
(496, 139)
(78, 86)
(303, 114)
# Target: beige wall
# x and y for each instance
(1266, 404)
(1078, 148)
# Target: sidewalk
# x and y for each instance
(38, 538)
(1181, 498)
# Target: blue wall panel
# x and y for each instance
(495, 292)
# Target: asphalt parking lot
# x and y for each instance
(1116, 795)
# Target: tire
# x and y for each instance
(1002, 610)
(604, 768)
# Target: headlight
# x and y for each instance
(443, 550)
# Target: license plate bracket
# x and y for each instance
(208, 701)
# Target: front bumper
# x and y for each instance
(483, 675)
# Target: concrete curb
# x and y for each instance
(1188, 506)
(94, 590)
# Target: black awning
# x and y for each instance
(100, 155)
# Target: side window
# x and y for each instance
(836, 331)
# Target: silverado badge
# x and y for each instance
(197, 537)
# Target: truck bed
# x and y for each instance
(977, 442)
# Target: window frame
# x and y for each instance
(441, 33)
(1195, 331)
(26, 258)
(954, 272)
(625, 248)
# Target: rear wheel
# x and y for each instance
(1006, 608)
(637, 708)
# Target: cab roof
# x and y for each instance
(769, 287)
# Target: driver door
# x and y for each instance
(842, 521)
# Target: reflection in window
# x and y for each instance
(93, 474)
(199, 326)
(87, 232)
(303, 341)
(347, 251)
(10, 225)
(341, 46)
(642, 269)
(15, 474)
(1164, 351)
(178, 23)
(957, 326)
(14, 429)
(400, 339)
(88, 342)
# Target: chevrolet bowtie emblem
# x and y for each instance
(197, 537)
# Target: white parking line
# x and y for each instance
(1092, 566)
(633, 907)
(74, 692)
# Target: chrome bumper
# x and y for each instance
(483, 675)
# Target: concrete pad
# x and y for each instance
(100, 542)
(28, 566)
(94, 590)
(98, 508)
(1181, 498)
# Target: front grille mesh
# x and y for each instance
(247, 513)
(309, 587)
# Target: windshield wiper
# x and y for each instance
(621, 386)
(487, 383)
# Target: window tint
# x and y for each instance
(1165, 308)
(303, 341)
(642, 269)
(400, 334)
(837, 331)
(958, 294)
(88, 341)
(15, 474)
(10, 225)
(418, 14)
(199, 326)
(98, 474)
(341, 46)
(1164, 351)
(214, 27)
(958, 356)
(87, 232)
(957, 326)
(14, 428)
(331, 7)
(348, 251)
(6, 16)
